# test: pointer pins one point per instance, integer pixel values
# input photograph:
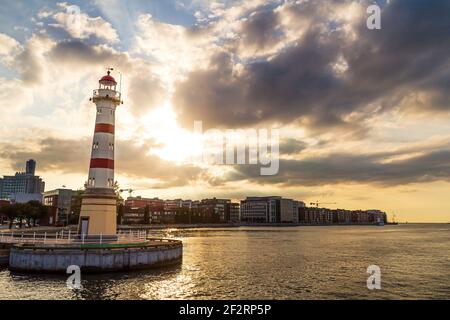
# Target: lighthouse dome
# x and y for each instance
(108, 78)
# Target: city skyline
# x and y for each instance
(363, 129)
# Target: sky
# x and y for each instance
(362, 114)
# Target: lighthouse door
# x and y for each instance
(84, 226)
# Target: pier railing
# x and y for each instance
(72, 237)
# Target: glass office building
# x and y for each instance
(23, 186)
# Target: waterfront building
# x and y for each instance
(261, 209)
(217, 207)
(98, 207)
(133, 215)
(296, 209)
(286, 210)
(61, 200)
(170, 205)
(272, 209)
(23, 186)
(314, 215)
(234, 210)
(139, 202)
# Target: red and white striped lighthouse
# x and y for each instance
(101, 170)
(98, 209)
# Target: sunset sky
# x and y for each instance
(363, 114)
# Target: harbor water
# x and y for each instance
(321, 262)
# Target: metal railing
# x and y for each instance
(72, 237)
(106, 94)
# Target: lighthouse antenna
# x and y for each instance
(120, 85)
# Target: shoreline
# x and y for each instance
(235, 225)
(52, 230)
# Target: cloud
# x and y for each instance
(146, 92)
(9, 47)
(30, 62)
(382, 169)
(72, 156)
(290, 146)
(260, 31)
(143, 87)
(79, 25)
(336, 74)
(76, 52)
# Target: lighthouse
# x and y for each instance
(98, 206)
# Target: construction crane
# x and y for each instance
(130, 191)
(317, 203)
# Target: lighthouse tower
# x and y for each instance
(98, 206)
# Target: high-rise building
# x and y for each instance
(23, 186)
(30, 167)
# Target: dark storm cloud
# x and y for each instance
(291, 146)
(76, 52)
(410, 54)
(72, 156)
(259, 30)
(350, 168)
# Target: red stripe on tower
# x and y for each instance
(104, 128)
(102, 163)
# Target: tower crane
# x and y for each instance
(130, 191)
(317, 203)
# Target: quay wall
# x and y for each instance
(57, 259)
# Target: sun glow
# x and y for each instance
(171, 142)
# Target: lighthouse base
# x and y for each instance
(98, 213)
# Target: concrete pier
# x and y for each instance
(95, 258)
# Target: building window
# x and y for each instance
(95, 146)
(99, 111)
(111, 146)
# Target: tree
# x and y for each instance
(10, 212)
(147, 214)
(120, 212)
(118, 193)
(35, 211)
